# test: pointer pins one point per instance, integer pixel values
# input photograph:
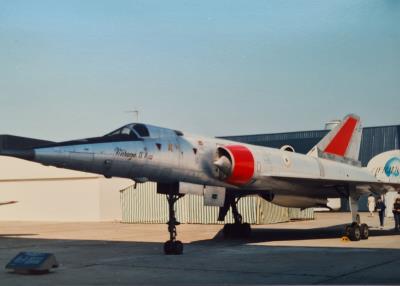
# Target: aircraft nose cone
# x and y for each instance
(26, 154)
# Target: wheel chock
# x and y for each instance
(345, 239)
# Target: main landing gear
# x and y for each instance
(356, 231)
(173, 246)
(238, 229)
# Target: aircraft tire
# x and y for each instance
(236, 231)
(173, 247)
(245, 230)
(364, 231)
(228, 230)
(178, 247)
(354, 232)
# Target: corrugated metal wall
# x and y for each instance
(376, 140)
(144, 205)
(270, 213)
(295, 213)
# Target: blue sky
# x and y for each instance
(70, 69)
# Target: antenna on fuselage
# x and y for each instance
(135, 112)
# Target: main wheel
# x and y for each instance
(242, 230)
(354, 232)
(228, 230)
(237, 230)
(364, 231)
(245, 230)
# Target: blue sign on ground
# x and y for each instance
(32, 262)
(28, 260)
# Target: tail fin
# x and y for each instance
(342, 143)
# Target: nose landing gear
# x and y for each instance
(173, 246)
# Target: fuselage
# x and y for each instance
(165, 155)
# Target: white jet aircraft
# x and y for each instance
(223, 171)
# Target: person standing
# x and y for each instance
(380, 208)
(396, 214)
(371, 205)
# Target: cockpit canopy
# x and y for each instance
(130, 132)
(137, 131)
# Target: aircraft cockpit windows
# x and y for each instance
(116, 132)
(124, 133)
(142, 130)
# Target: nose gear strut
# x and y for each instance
(173, 246)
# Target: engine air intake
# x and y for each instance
(235, 164)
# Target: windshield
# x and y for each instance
(142, 130)
(124, 133)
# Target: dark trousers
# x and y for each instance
(381, 217)
(396, 221)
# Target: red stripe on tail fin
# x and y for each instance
(340, 143)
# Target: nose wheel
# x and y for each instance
(173, 246)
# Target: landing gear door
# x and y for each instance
(193, 189)
(214, 196)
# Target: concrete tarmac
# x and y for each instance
(300, 252)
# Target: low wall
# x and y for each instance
(144, 205)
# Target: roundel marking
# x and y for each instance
(243, 164)
(286, 160)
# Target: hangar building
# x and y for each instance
(52, 194)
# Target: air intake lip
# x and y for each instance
(236, 164)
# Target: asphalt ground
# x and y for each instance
(299, 252)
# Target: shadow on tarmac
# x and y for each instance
(266, 235)
(270, 235)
